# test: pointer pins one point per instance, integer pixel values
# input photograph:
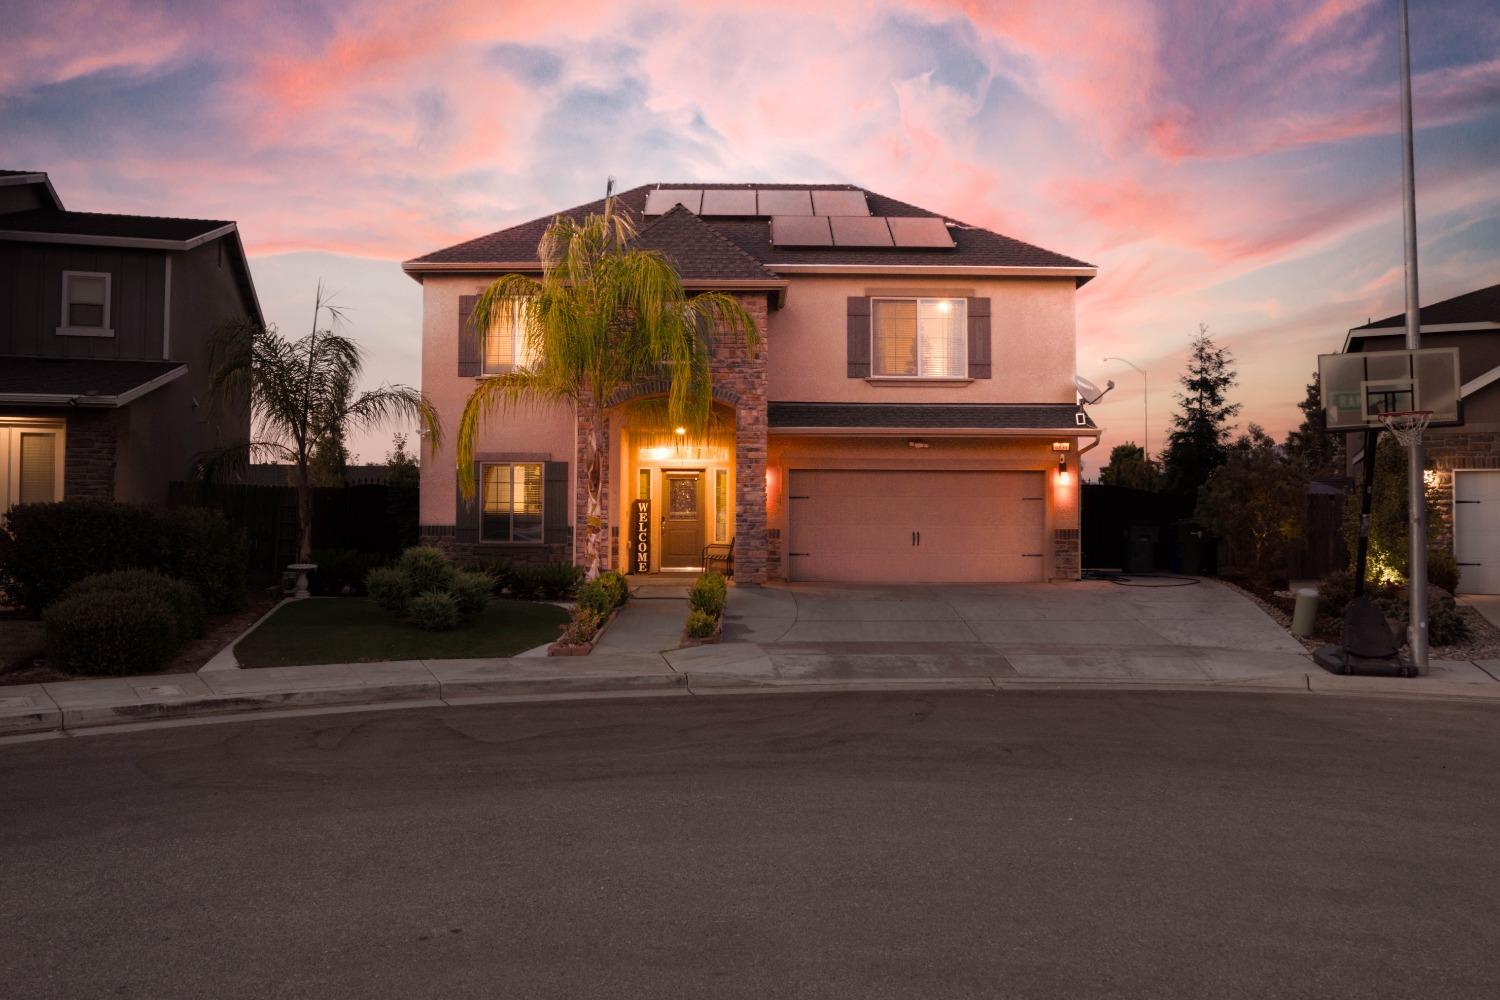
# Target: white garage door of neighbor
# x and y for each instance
(1476, 531)
(898, 526)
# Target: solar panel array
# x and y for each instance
(912, 233)
(803, 217)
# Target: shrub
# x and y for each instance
(47, 547)
(701, 625)
(596, 597)
(558, 581)
(709, 594)
(1335, 593)
(183, 598)
(208, 552)
(618, 588)
(472, 591)
(433, 611)
(583, 625)
(111, 632)
(339, 569)
(1442, 569)
(501, 572)
(1445, 625)
(526, 584)
(390, 589)
(427, 568)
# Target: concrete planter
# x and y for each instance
(583, 649)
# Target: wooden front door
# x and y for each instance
(682, 521)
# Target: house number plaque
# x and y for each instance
(640, 537)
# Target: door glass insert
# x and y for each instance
(682, 500)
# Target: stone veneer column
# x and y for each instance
(740, 373)
(581, 494)
(89, 455)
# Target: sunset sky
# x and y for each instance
(1228, 163)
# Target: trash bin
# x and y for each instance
(1192, 545)
(1305, 611)
(1140, 548)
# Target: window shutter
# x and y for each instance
(979, 338)
(859, 336)
(466, 516)
(38, 468)
(468, 339)
(557, 504)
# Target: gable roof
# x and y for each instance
(698, 251)
(150, 228)
(1471, 308)
(975, 250)
(82, 381)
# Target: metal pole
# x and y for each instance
(1415, 486)
(1145, 407)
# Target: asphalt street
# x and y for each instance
(1079, 845)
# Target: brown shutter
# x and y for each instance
(859, 336)
(466, 515)
(468, 339)
(979, 338)
(557, 503)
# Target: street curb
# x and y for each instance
(34, 721)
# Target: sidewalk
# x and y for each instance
(729, 668)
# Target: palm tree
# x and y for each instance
(300, 399)
(603, 317)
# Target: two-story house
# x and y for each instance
(909, 414)
(105, 323)
(1463, 463)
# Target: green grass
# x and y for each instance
(354, 630)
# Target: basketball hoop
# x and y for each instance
(1407, 425)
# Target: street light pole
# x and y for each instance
(1415, 481)
(1145, 408)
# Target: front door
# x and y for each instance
(682, 521)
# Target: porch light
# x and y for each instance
(1063, 479)
(680, 432)
(917, 443)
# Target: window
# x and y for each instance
(507, 346)
(919, 338)
(643, 485)
(85, 305)
(511, 503)
(721, 505)
(30, 463)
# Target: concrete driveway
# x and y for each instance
(1095, 629)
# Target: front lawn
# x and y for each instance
(354, 630)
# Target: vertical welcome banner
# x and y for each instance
(641, 537)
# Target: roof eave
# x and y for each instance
(127, 242)
(98, 401)
(1361, 332)
(1081, 274)
(37, 178)
(1039, 432)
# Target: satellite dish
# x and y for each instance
(1088, 391)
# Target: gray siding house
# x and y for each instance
(105, 323)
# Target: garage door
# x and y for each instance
(915, 527)
(1476, 531)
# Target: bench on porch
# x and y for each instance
(719, 556)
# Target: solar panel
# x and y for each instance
(729, 201)
(840, 203)
(661, 200)
(783, 201)
(860, 231)
(800, 231)
(920, 231)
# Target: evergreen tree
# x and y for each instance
(1129, 466)
(1310, 447)
(1199, 440)
(402, 465)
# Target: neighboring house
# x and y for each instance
(1463, 462)
(104, 329)
(909, 416)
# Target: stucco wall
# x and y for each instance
(543, 432)
(1032, 330)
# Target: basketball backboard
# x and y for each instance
(1359, 387)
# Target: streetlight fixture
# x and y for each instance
(1145, 407)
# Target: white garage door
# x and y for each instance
(1476, 531)
(915, 527)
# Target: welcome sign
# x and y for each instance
(641, 537)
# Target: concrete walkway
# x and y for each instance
(796, 638)
(1488, 606)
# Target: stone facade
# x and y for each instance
(89, 454)
(442, 536)
(740, 372)
(1455, 448)
(1067, 554)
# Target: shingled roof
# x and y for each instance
(698, 251)
(937, 416)
(51, 222)
(516, 247)
(1481, 306)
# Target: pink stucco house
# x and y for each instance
(909, 416)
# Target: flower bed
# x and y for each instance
(705, 620)
(599, 601)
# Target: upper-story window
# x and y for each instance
(506, 345)
(85, 304)
(919, 338)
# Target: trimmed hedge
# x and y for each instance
(604, 594)
(112, 632)
(186, 603)
(47, 547)
(434, 611)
